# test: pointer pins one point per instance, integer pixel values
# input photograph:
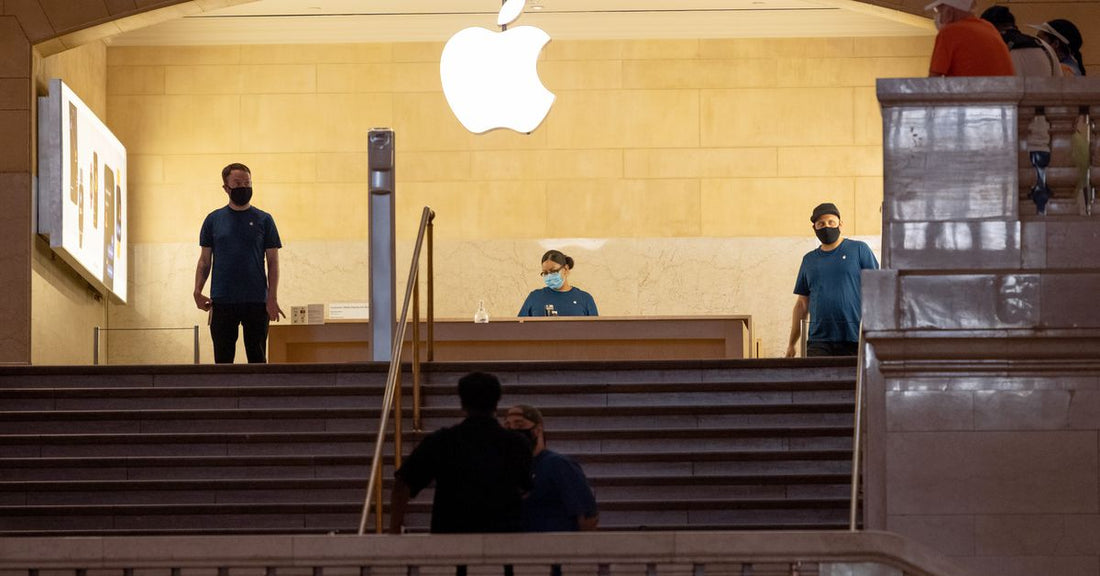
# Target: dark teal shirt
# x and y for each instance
(238, 241)
(573, 302)
(831, 281)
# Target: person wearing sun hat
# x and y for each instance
(1065, 38)
(965, 44)
(1030, 55)
(828, 288)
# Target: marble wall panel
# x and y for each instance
(959, 245)
(1051, 472)
(880, 305)
(1037, 535)
(1069, 300)
(945, 163)
(970, 301)
(952, 534)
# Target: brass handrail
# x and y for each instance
(391, 396)
(857, 431)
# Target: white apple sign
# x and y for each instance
(491, 80)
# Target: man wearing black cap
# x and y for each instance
(828, 288)
(1030, 55)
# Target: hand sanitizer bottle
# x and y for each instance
(481, 316)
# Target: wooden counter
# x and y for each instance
(562, 338)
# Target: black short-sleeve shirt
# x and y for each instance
(238, 240)
(481, 472)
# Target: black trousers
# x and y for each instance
(822, 348)
(225, 321)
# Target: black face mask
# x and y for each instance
(529, 434)
(241, 195)
(827, 235)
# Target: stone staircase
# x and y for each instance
(748, 444)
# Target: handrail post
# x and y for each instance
(392, 381)
(805, 326)
(857, 432)
(378, 502)
(397, 416)
(95, 346)
(416, 356)
(431, 288)
(197, 344)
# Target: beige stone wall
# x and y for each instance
(64, 307)
(679, 173)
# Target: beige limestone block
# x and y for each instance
(66, 16)
(416, 77)
(625, 118)
(769, 206)
(174, 55)
(867, 117)
(736, 48)
(344, 167)
(278, 78)
(867, 220)
(206, 79)
(584, 50)
(144, 168)
(830, 161)
(581, 74)
(210, 123)
(355, 77)
(280, 123)
(678, 49)
(306, 212)
(625, 208)
(417, 51)
(425, 122)
(314, 53)
(700, 163)
(776, 117)
(895, 46)
(671, 74)
(432, 166)
(343, 121)
(475, 209)
(135, 80)
(546, 164)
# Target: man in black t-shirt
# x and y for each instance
(480, 470)
(236, 240)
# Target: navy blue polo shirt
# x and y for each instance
(238, 240)
(831, 281)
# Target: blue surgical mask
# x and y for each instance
(553, 281)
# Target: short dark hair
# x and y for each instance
(479, 392)
(232, 167)
(998, 15)
(557, 258)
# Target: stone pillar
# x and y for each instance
(16, 123)
(983, 404)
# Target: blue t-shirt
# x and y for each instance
(572, 302)
(559, 494)
(831, 280)
(238, 240)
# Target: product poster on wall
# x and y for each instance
(82, 189)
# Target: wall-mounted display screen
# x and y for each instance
(82, 189)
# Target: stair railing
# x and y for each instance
(857, 433)
(391, 398)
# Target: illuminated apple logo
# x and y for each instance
(490, 79)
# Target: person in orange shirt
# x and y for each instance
(966, 45)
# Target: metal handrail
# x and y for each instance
(857, 431)
(96, 331)
(391, 396)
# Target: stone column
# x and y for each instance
(16, 123)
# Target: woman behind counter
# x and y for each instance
(558, 295)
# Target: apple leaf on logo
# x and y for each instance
(510, 11)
